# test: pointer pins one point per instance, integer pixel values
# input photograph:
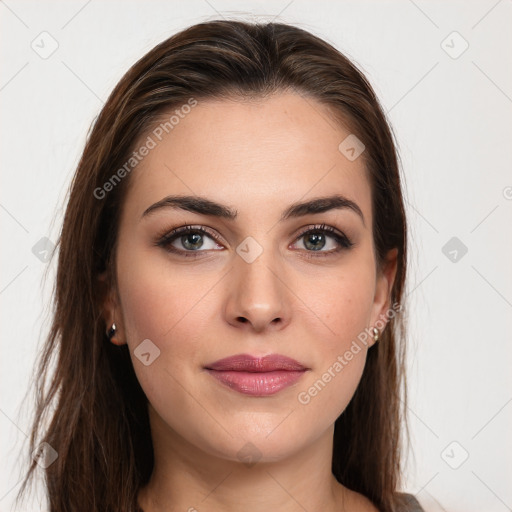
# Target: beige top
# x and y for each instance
(409, 503)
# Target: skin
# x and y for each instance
(256, 157)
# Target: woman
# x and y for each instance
(228, 325)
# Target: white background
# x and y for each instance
(452, 118)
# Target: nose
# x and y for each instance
(258, 297)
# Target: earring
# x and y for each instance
(111, 332)
(375, 334)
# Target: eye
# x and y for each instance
(322, 238)
(189, 239)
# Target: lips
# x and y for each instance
(247, 363)
(257, 376)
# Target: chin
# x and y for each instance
(257, 443)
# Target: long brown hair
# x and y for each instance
(90, 407)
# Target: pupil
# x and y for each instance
(315, 241)
(192, 241)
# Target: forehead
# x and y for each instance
(273, 151)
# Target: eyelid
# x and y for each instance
(313, 227)
(330, 230)
(165, 237)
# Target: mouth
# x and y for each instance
(257, 376)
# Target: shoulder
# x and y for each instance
(405, 503)
(359, 502)
(408, 503)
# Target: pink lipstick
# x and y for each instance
(257, 376)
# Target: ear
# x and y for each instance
(383, 286)
(110, 308)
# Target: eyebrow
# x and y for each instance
(203, 206)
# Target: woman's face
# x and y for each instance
(266, 277)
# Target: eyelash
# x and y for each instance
(165, 240)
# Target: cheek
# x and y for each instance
(164, 305)
(175, 307)
(341, 300)
(343, 303)
(156, 296)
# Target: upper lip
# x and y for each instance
(248, 363)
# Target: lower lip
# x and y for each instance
(257, 384)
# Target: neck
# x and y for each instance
(187, 478)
